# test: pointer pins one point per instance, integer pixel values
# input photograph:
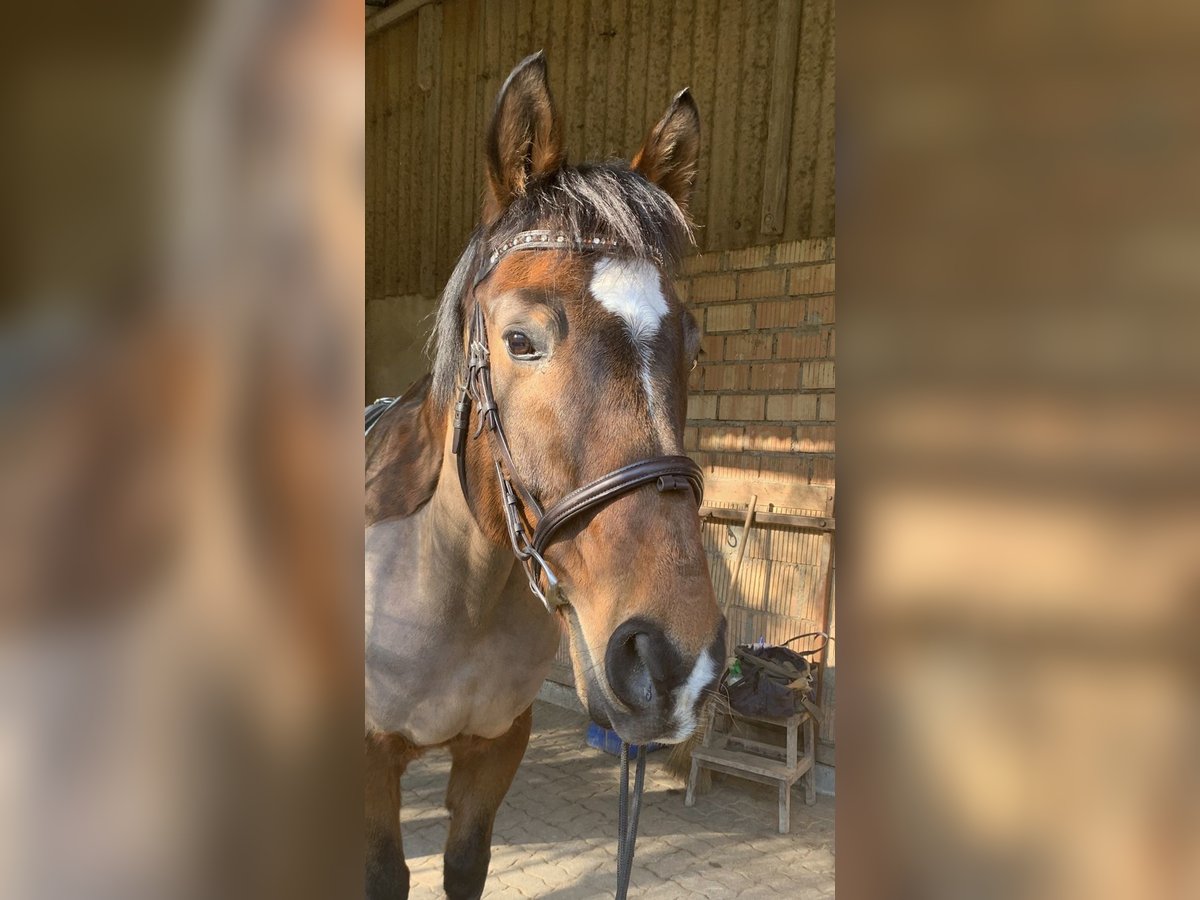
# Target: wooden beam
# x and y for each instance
(429, 49)
(771, 494)
(816, 523)
(779, 120)
(394, 13)
(741, 554)
(429, 41)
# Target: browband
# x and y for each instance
(542, 240)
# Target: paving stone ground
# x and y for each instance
(555, 834)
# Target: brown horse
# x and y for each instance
(562, 321)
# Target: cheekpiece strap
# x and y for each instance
(542, 240)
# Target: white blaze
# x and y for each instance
(685, 699)
(631, 290)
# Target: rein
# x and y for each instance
(666, 473)
(627, 819)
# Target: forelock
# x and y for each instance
(609, 201)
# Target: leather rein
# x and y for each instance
(666, 473)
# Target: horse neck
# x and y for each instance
(460, 561)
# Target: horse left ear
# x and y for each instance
(671, 152)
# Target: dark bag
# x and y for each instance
(775, 682)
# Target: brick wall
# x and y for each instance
(762, 396)
(761, 404)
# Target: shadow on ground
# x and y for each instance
(555, 834)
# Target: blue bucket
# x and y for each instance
(607, 740)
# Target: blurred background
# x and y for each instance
(182, 366)
(1019, 219)
(180, 461)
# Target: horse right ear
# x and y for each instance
(671, 153)
(524, 140)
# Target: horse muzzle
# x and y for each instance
(654, 692)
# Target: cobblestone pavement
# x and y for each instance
(555, 834)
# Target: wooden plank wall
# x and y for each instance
(766, 103)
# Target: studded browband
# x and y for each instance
(543, 240)
(667, 473)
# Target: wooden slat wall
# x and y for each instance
(778, 594)
(614, 65)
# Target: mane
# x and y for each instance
(609, 201)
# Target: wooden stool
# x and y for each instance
(783, 766)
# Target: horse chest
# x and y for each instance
(445, 657)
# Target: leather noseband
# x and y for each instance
(667, 473)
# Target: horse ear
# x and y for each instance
(671, 152)
(525, 137)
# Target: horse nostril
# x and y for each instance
(645, 654)
(637, 663)
(628, 675)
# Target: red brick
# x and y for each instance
(775, 376)
(780, 313)
(701, 262)
(811, 279)
(721, 437)
(702, 406)
(727, 318)
(815, 439)
(768, 283)
(727, 378)
(802, 345)
(820, 311)
(690, 438)
(712, 288)
(748, 258)
(769, 438)
(742, 407)
(822, 470)
(818, 374)
(712, 347)
(792, 407)
(811, 250)
(748, 346)
(827, 408)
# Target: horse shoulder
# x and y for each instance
(404, 456)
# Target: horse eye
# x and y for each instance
(519, 344)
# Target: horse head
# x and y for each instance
(588, 349)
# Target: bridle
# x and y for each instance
(667, 473)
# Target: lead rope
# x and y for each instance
(627, 819)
